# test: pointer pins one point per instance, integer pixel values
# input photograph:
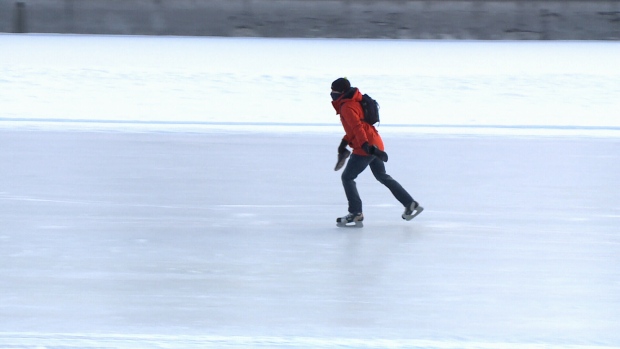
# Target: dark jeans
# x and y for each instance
(356, 165)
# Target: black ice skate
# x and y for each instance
(412, 210)
(352, 220)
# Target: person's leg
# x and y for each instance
(378, 170)
(355, 166)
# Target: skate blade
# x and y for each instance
(417, 211)
(357, 224)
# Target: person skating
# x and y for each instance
(368, 151)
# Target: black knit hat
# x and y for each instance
(341, 85)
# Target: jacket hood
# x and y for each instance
(353, 94)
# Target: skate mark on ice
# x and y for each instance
(98, 340)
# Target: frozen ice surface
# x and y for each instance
(161, 81)
(229, 239)
(179, 193)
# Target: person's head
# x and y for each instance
(339, 87)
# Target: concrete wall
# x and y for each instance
(411, 19)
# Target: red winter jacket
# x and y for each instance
(352, 117)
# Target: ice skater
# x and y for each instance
(368, 150)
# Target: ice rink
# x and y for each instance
(203, 226)
(233, 236)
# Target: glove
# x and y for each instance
(343, 154)
(379, 153)
(342, 158)
(342, 147)
(373, 150)
(366, 148)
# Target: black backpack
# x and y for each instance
(371, 109)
